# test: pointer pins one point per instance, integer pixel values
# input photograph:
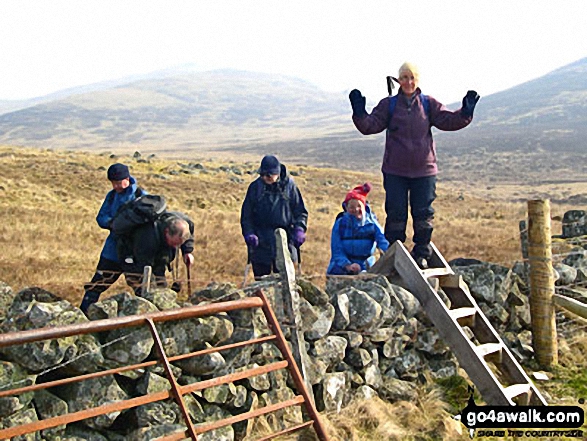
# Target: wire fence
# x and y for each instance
(565, 325)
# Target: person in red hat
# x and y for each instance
(356, 235)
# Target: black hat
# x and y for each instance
(118, 172)
(270, 165)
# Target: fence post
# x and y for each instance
(291, 305)
(541, 283)
(147, 271)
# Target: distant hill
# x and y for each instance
(548, 113)
(516, 133)
(194, 111)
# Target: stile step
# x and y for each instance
(490, 351)
(515, 390)
(425, 285)
(463, 316)
(436, 272)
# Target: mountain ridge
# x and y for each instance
(228, 111)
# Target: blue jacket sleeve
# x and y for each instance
(336, 248)
(105, 214)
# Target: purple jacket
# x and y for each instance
(409, 148)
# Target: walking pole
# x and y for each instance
(299, 249)
(390, 86)
(247, 267)
(176, 285)
(189, 280)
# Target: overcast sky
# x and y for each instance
(486, 45)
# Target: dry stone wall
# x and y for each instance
(364, 337)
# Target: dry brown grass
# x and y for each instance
(49, 200)
(376, 419)
(49, 238)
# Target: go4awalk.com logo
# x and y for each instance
(522, 421)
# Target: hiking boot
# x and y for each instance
(421, 262)
(90, 297)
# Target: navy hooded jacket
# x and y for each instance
(268, 207)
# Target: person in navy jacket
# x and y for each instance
(124, 189)
(273, 201)
(356, 235)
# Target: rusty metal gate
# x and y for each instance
(177, 391)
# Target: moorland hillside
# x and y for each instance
(531, 133)
(49, 201)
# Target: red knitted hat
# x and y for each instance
(360, 193)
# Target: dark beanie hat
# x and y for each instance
(270, 165)
(118, 172)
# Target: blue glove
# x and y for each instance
(252, 240)
(357, 103)
(298, 237)
(469, 103)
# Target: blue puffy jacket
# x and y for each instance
(110, 206)
(355, 241)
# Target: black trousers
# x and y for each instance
(420, 193)
(107, 273)
(261, 269)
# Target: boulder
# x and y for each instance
(202, 364)
(341, 311)
(481, 281)
(13, 375)
(6, 299)
(331, 394)
(364, 311)
(29, 312)
(312, 293)
(316, 320)
(393, 390)
(331, 349)
(159, 413)
(92, 393)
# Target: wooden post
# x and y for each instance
(291, 305)
(541, 283)
(574, 306)
(146, 280)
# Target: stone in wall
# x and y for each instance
(365, 336)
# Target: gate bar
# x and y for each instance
(146, 364)
(253, 372)
(171, 378)
(295, 372)
(116, 406)
(32, 335)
